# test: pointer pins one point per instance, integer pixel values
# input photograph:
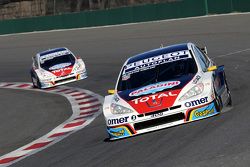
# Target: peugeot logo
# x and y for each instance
(154, 101)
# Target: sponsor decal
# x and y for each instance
(152, 62)
(62, 72)
(154, 102)
(203, 112)
(196, 79)
(196, 102)
(59, 66)
(117, 120)
(125, 77)
(157, 115)
(133, 117)
(153, 97)
(53, 55)
(153, 88)
(118, 132)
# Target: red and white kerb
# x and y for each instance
(86, 106)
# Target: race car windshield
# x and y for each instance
(57, 62)
(163, 72)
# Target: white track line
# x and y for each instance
(233, 53)
(83, 114)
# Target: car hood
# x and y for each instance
(156, 96)
(61, 71)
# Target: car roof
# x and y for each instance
(51, 51)
(156, 52)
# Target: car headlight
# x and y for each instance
(46, 77)
(194, 91)
(78, 67)
(118, 109)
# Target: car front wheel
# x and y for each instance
(35, 81)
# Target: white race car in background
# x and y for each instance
(55, 67)
(165, 87)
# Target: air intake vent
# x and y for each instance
(159, 121)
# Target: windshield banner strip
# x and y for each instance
(53, 55)
(152, 62)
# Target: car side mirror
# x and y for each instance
(212, 68)
(111, 91)
(204, 50)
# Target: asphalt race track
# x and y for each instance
(219, 141)
(24, 118)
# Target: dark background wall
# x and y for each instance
(11, 9)
(130, 14)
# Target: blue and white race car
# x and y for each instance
(56, 67)
(163, 88)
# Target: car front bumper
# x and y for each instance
(159, 120)
(63, 80)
